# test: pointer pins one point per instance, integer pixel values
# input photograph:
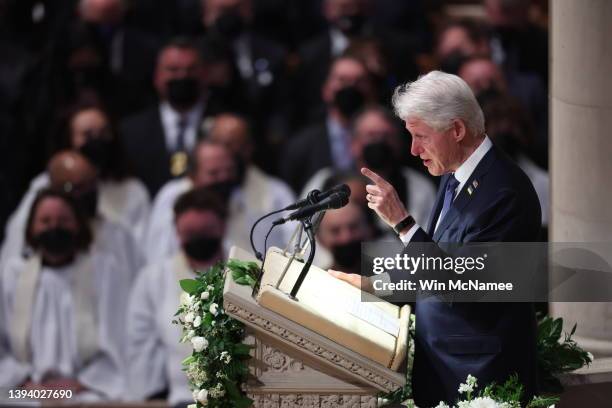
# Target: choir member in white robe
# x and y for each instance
(376, 144)
(63, 308)
(154, 351)
(122, 200)
(256, 195)
(71, 172)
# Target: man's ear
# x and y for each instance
(459, 130)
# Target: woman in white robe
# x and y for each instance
(122, 199)
(154, 351)
(63, 308)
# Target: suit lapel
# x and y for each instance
(467, 193)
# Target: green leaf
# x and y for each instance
(188, 360)
(189, 285)
(242, 349)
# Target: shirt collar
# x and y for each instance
(339, 41)
(463, 173)
(335, 128)
(171, 117)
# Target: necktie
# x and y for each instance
(449, 196)
(181, 127)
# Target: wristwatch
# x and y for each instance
(406, 222)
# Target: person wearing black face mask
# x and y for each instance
(199, 218)
(158, 141)
(376, 144)
(56, 228)
(341, 232)
(347, 90)
(64, 285)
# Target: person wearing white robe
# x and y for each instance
(69, 169)
(63, 323)
(257, 195)
(122, 199)
(155, 352)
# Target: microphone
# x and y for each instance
(316, 196)
(335, 200)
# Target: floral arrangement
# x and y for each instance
(218, 364)
(554, 357)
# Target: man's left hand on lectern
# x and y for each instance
(358, 281)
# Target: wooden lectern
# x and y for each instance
(313, 363)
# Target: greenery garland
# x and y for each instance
(218, 365)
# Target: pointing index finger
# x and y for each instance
(379, 181)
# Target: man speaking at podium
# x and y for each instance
(483, 197)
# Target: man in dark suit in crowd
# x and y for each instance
(327, 143)
(348, 22)
(259, 76)
(483, 197)
(158, 140)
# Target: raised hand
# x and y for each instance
(383, 199)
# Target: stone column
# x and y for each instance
(581, 148)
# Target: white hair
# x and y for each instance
(437, 99)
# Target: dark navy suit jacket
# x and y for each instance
(488, 340)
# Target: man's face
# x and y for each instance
(341, 226)
(438, 150)
(455, 39)
(372, 128)
(346, 72)
(215, 164)
(177, 63)
(482, 74)
(233, 133)
(196, 223)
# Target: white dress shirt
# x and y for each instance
(170, 119)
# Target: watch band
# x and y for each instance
(406, 222)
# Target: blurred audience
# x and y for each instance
(510, 128)
(154, 350)
(376, 144)
(247, 195)
(341, 232)
(348, 21)
(326, 143)
(62, 325)
(158, 140)
(87, 128)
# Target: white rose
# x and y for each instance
(192, 406)
(210, 288)
(214, 309)
(199, 343)
(197, 321)
(483, 402)
(202, 397)
(205, 295)
(189, 335)
(465, 388)
(186, 299)
(189, 317)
